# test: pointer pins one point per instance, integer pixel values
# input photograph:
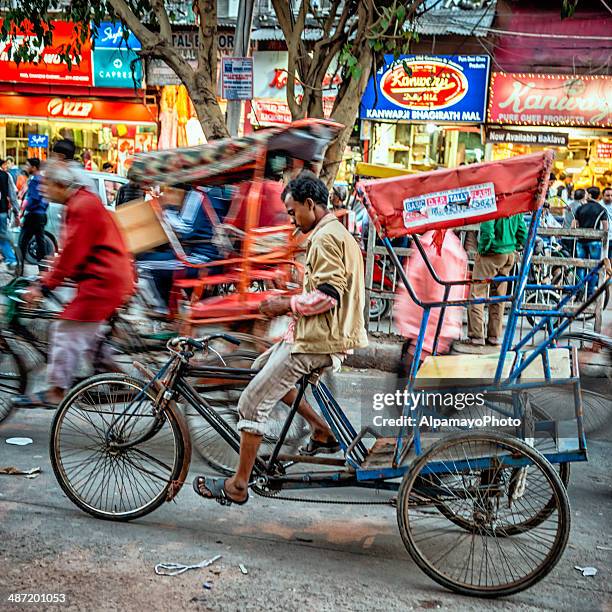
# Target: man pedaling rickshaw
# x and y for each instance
(328, 324)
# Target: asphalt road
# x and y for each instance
(298, 556)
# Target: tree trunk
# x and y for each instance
(345, 112)
(202, 91)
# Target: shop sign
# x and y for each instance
(186, 43)
(550, 99)
(104, 111)
(49, 68)
(538, 139)
(440, 88)
(270, 78)
(111, 35)
(237, 78)
(38, 140)
(460, 203)
(604, 150)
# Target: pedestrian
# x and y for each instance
(12, 169)
(108, 167)
(590, 215)
(132, 190)
(6, 202)
(328, 324)
(497, 245)
(94, 257)
(64, 150)
(606, 202)
(572, 206)
(338, 197)
(35, 212)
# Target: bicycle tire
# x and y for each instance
(412, 495)
(59, 462)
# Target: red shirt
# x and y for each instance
(94, 256)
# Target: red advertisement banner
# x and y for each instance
(558, 100)
(49, 69)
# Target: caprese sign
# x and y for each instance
(550, 99)
(460, 203)
(440, 88)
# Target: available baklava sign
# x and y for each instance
(424, 88)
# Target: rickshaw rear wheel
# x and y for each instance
(486, 476)
(540, 512)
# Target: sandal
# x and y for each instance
(36, 400)
(216, 488)
(314, 447)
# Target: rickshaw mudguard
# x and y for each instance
(459, 196)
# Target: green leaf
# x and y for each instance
(401, 13)
(384, 25)
(378, 45)
(407, 68)
(357, 72)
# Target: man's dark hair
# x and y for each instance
(107, 166)
(65, 147)
(607, 189)
(10, 158)
(34, 162)
(579, 194)
(307, 185)
(594, 193)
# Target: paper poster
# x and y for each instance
(460, 203)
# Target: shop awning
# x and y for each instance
(455, 17)
(435, 17)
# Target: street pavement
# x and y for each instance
(298, 556)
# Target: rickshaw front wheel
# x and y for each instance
(492, 480)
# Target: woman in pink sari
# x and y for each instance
(449, 259)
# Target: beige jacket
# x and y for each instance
(333, 256)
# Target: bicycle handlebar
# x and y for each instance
(201, 343)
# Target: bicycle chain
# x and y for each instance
(344, 502)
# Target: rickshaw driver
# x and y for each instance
(328, 324)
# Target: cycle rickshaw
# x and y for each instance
(483, 512)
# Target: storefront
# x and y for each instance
(44, 101)
(112, 131)
(571, 114)
(425, 112)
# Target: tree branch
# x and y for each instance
(165, 29)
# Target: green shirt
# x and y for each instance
(504, 235)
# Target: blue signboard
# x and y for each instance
(115, 61)
(435, 88)
(38, 140)
(111, 36)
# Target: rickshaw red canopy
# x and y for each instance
(459, 196)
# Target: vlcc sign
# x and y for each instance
(528, 99)
(439, 88)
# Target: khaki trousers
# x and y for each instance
(488, 266)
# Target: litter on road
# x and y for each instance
(175, 569)
(13, 471)
(586, 571)
(19, 441)
(243, 569)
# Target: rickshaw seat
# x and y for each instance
(467, 367)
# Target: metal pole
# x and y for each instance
(242, 41)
